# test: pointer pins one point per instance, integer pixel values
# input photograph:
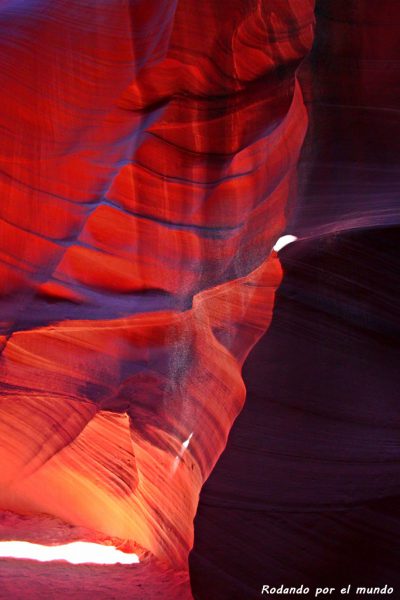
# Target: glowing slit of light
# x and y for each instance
(75, 553)
(284, 241)
(182, 451)
(187, 442)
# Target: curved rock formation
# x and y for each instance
(307, 490)
(147, 166)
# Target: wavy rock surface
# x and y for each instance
(147, 168)
(349, 168)
(307, 490)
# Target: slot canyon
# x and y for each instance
(198, 287)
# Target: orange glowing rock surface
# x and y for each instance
(147, 165)
(127, 475)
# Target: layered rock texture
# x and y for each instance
(148, 164)
(149, 156)
(307, 490)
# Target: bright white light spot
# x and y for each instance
(284, 241)
(75, 553)
(187, 442)
(182, 451)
